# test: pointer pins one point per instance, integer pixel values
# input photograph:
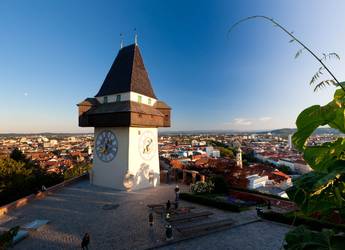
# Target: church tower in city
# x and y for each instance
(126, 115)
(239, 162)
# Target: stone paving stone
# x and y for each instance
(79, 208)
(255, 236)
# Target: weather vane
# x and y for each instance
(121, 38)
(135, 36)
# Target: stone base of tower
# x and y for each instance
(132, 168)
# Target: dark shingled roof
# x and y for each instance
(89, 101)
(122, 107)
(127, 74)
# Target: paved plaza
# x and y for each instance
(119, 220)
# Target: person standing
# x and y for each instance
(177, 193)
(151, 218)
(168, 232)
(85, 242)
(168, 206)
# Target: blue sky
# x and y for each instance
(53, 54)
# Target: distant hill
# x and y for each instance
(280, 132)
(319, 131)
(48, 134)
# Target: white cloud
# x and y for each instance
(26, 94)
(249, 122)
(265, 119)
(242, 122)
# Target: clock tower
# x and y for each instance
(126, 115)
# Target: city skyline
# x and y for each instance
(54, 55)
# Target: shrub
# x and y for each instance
(211, 201)
(6, 238)
(202, 187)
(303, 238)
(221, 186)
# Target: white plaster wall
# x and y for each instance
(129, 96)
(111, 174)
(138, 166)
(128, 160)
(257, 181)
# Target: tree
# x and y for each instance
(18, 155)
(285, 170)
(221, 186)
(18, 179)
(322, 190)
(77, 170)
(225, 152)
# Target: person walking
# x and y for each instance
(85, 242)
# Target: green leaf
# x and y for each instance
(303, 238)
(309, 120)
(339, 93)
(323, 157)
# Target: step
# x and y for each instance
(189, 216)
(205, 227)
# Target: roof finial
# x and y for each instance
(121, 37)
(135, 37)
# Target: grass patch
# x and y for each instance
(259, 193)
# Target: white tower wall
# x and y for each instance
(111, 174)
(129, 161)
(144, 168)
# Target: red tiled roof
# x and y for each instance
(279, 173)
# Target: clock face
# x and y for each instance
(147, 145)
(106, 146)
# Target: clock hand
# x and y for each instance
(146, 148)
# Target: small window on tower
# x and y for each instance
(118, 98)
(139, 98)
(149, 101)
(106, 99)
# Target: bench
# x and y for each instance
(36, 224)
(21, 234)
